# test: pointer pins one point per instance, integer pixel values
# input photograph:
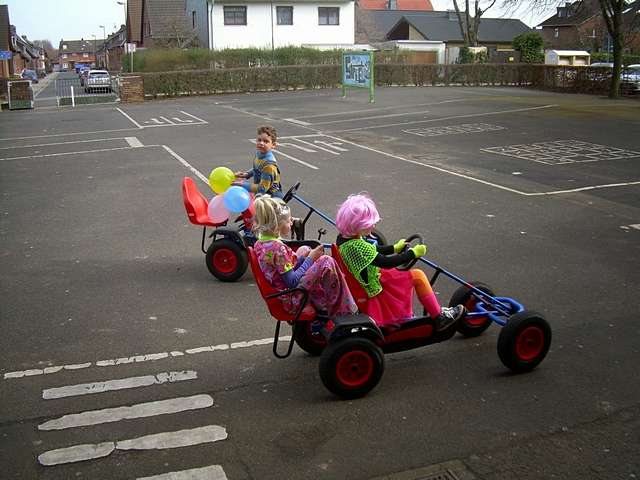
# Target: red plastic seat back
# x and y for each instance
(195, 204)
(275, 304)
(357, 290)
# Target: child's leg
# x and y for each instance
(327, 287)
(425, 292)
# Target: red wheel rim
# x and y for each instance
(354, 368)
(225, 261)
(470, 305)
(529, 343)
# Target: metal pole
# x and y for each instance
(272, 39)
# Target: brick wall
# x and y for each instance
(131, 89)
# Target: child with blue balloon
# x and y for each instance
(264, 177)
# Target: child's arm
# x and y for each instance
(292, 277)
(267, 176)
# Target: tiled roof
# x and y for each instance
(80, 46)
(443, 28)
(573, 13)
(166, 17)
(420, 5)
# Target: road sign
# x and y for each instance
(130, 48)
(5, 55)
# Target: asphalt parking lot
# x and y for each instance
(533, 193)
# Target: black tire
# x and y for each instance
(226, 260)
(312, 343)
(351, 367)
(471, 326)
(524, 341)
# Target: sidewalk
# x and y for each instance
(606, 449)
(42, 84)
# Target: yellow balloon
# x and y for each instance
(220, 179)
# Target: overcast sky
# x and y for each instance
(75, 19)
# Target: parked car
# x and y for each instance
(29, 75)
(98, 81)
(602, 64)
(630, 79)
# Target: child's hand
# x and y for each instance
(419, 250)
(316, 252)
(240, 174)
(399, 245)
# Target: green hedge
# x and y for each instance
(233, 80)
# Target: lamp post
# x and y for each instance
(124, 4)
(95, 50)
(104, 47)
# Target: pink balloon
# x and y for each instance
(218, 213)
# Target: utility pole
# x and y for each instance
(104, 47)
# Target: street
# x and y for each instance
(108, 307)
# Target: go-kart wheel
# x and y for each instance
(409, 265)
(289, 195)
(524, 341)
(351, 367)
(471, 326)
(226, 260)
(378, 237)
(311, 342)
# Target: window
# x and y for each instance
(556, 32)
(235, 15)
(64, 46)
(285, 15)
(193, 19)
(328, 15)
(85, 55)
(64, 55)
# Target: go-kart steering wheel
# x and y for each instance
(412, 262)
(289, 195)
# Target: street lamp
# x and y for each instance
(104, 47)
(95, 53)
(124, 4)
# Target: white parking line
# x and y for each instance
(159, 441)
(68, 153)
(193, 116)
(484, 182)
(133, 142)
(140, 410)
(119, 384)
(212, 472)
(194, 170)
(129, 118)
(72, 134)
(64, 143)
(141, 358)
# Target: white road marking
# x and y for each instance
(484, 182)
(470, 115)
(67, 134)
(159, 441)
(63, 143)
(141, 358)
(301, 162)
(194, 117)
(181, 121)
(212, 472)
(299, 122)
(314, 144)
(119, 384)
(129, 118)
(45, 155)
(140, 410)
(635, 226)
(133, 142)
(195, 171)
(388, 115)
(295, 145)
(167, 120)
(239, 110)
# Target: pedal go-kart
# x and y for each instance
(226, 255)
(352, 347)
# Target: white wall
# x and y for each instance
(305, 28)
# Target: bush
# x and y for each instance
(530, 45)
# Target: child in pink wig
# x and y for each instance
(390, 290)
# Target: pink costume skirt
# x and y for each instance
(395, 302)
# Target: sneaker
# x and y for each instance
(449, 316)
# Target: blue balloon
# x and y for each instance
(236, 199)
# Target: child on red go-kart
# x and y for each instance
(390, 290)
(307, 268)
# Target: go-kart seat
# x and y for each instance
(272, 296)
(196, 204)
(357, 291)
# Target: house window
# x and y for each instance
(235, 15)
(328, 15)
(556, 32)
(85, 55)
(285, 15)
(64, 46)
(64, 55)
(193, 19)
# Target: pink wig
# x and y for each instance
(357, 213)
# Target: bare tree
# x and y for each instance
(178, 35)
(47, 46)
(469, 25)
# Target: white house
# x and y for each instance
(260, 24)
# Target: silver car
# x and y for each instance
(97, 81)
(630, 79)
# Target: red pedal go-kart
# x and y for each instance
(352, 347)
